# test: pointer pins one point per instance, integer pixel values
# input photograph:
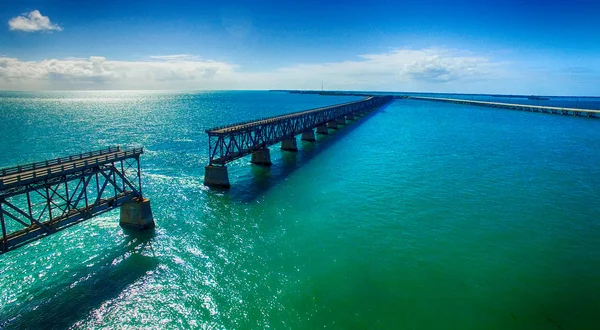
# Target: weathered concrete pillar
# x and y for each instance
(137, 214)
(309, 135)
(216, 176)
(262, 157)
(332, 124)
(322, 129)
(289, 144)
(341, 121)
(349, 117)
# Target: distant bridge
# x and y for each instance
(42, 198)
(589, 113)
(512, 106)
(228, 143)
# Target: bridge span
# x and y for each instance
(513, 106)
(42, 198)
(228, 143)
(578, 112)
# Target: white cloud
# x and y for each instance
(32, 22)
(100, 73)
(400, 67)
(433, 69)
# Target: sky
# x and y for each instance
(503, 47)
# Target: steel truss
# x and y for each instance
(226, 144)
(31, 208)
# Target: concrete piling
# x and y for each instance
(261, 157)
(322, 129)
(216, 176)
(137, 214)
(309, 135)
(289, 144)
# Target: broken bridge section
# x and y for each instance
(42, 198)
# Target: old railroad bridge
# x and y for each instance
(228, 143)
(42, 198)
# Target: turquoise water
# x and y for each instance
(422, 216)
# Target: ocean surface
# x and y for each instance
(423, 215)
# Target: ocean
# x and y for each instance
(422, 215)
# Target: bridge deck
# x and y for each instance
(595, 113)
(244, 125)
(23, 174)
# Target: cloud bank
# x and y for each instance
(399, 68)
(432, 69)
(32, 22)
(99, 73)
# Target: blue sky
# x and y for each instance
(527, 47)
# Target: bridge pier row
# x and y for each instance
(309, 135)
(322, 129)
(341, 121)
(332, 124)
(137, 214)
(216, 176)
(262, 157)
(289, 144)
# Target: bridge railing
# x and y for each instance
(47, 163)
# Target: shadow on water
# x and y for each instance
(61, 304)
(264, 178)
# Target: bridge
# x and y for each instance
(231, 142)
(43, 198)
(589, 113)
(522, 107)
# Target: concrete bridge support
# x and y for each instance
(341, 121)
(289, 144)
(322, 129)
(137, 214)
(332, 124)
(262, 157)
(309, 135)
(216, 176)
